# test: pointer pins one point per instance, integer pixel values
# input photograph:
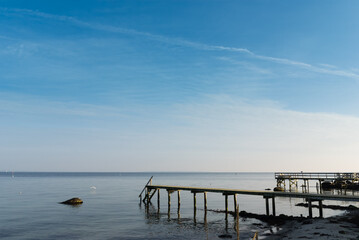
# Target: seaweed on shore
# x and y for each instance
(333, 207)
(272, 220)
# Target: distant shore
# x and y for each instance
(344, 226)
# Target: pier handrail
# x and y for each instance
(145, 186)
(317, 175)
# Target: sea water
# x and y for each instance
(30, 209)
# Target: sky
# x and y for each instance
(176, 85)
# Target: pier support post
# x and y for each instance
(147, 196)
(235, 202)
(158, 199)
(310, 208)
(320, 208)
(267, 206)
(226, 203)
(194, 201)
(205, 200)
(273, 205)
(178, 200)
(169, 199)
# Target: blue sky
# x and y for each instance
(179, 85)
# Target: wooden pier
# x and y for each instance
(150, 191)
(293, 177)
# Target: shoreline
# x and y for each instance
(344, 226)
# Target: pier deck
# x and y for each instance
(309, 197)
(269, 194)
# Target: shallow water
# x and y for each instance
(29, 206)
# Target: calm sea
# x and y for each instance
(29, 206)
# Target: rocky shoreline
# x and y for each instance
(345, 226)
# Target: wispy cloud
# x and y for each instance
(243, 135)
(320, 68)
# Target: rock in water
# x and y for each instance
(73, 201)
(278, 189)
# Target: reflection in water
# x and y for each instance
(215, 227)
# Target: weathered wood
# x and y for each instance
(316, 175)
(149, 182)
(169, 199)
(310, 208)
(205, 201)
(225, 191)
(179, 199)
(226, 203)
(194, 201)
(148, 196)
(273, 206)
(153, 194)
(267, 206)
(235, 202)
(320, 209)
(158, 198)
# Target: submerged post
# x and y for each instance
(178, 200)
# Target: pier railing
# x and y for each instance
(145, 188)
(317, 175)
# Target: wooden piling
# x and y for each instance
(178, 200)
(194, 208)
(148, 196)
(310, 208)
(273, 205)
(158, 198)
(320, 208)
(226, 203)
(169, 199)
(237, 221)
(205, 200)
(267, 206)
(194, 201)
(235, 202)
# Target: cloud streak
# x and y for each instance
(321, 68)
(242, 135)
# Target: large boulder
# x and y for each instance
(72, 201)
